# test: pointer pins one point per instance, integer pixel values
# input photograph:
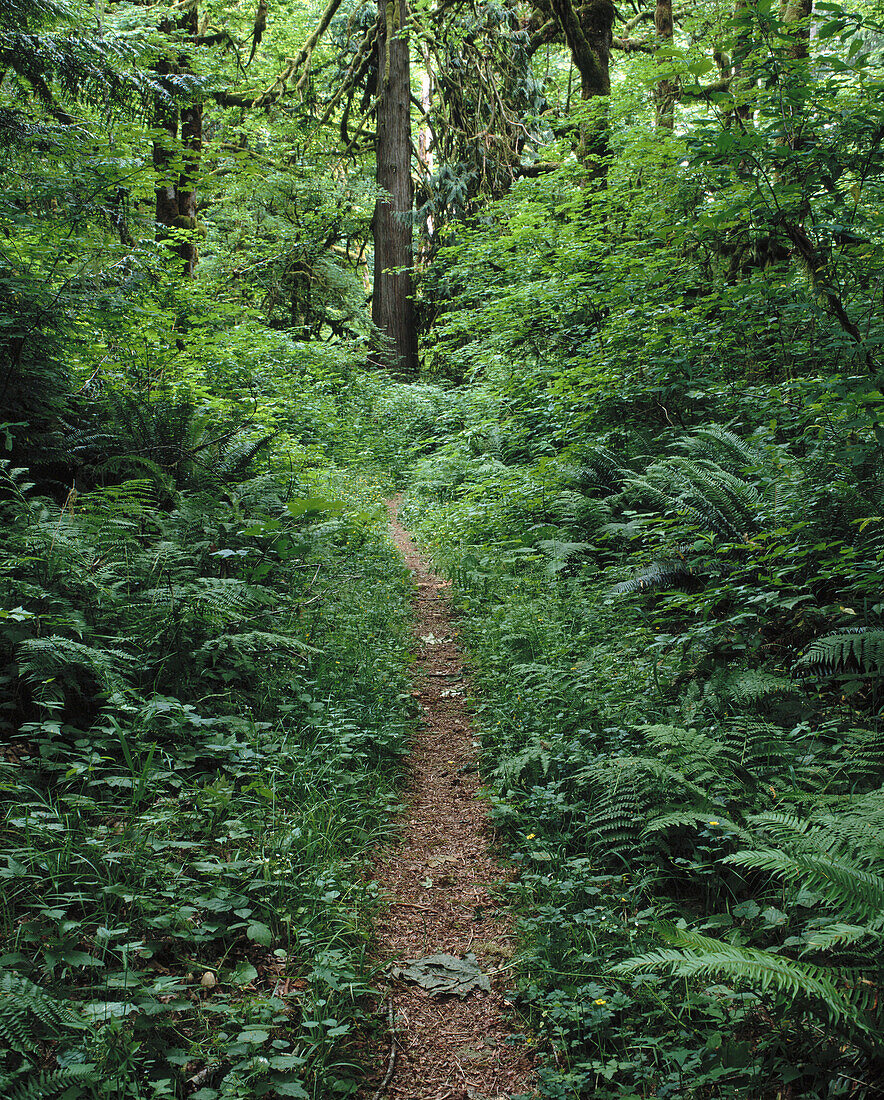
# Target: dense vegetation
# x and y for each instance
(646, 446)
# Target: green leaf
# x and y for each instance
(243, 974)
(290, 1088)
(259, 933)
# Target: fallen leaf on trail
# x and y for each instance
(442, 973)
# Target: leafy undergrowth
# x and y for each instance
(204, 711)
(678, 700)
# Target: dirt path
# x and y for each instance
(440, 880)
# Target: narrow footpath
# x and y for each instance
(443, 923)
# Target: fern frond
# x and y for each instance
(694, 955)
(752, 685)
(22, 1001)
(525, 766)
(255, 641)
(867, 755)
(29, 1084)
(705, 816)
(718, 499)
(860, 649)
(724, 446)
(666, 573)
(644, 487)
(781, 827)
(616, 769)
(238, 454)
(622, 792)
(838, 934)
(859, 827)
(41, 660)
(601, 470)
(838, 880)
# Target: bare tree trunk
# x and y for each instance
(165, 118)
(392, 307)
(797, 15)
(192, 140)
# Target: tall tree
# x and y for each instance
(176, 196)
(392, 308)
(589, 34)
(666, 91)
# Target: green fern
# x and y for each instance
(48, 663)
(32, 1084)
(526, 766)
(600, 470)
(866, 756)
(857, 650)
(837, 854)
(858, 826)
(720, 445)
(14, 480)
(698, 816)
(662, 574)
(708, 495)
(254, 641)
(832, 998)
(748, 686)
(716, 498)
(728, 758)
(621, 793)
(28, 1017)
(23, 1001)
(842, 885)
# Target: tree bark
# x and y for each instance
(589, 34)
(666, 92)
(796, 15)
(176, 192)
(392, 306)
(742, 81)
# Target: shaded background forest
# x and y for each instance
(641, 251)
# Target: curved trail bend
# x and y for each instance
(439, 879)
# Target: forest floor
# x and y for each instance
(440, 879)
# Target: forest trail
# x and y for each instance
(440, 879)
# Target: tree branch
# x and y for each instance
(280, 85)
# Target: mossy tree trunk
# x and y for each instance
(666, 91)
(589, 32)
(176, 158)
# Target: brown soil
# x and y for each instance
(440, 882)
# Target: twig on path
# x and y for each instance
(391, 1020)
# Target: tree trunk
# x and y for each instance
(743, 81)
(796, 15)
(392, 307)
(176, 193)
(667, 90)
(588, 34)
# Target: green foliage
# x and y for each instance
(653, 472)
(646, 747)
(29, 1017)
(861, 649)
(204, 710)
(698, 956)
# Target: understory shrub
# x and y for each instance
(203, 713)
(677, 680)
